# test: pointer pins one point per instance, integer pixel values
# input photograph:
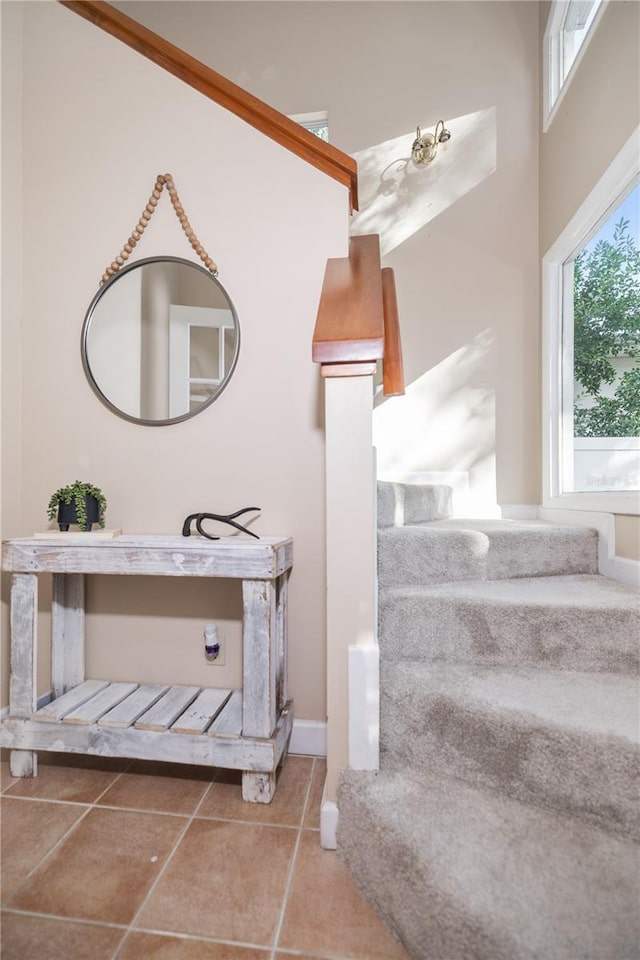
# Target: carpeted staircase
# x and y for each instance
(504, 823)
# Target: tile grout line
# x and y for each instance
(155, 883)
(71, 828)
(292, 865)
(112, 784)
(270, 952)
(18, 911)
(49, 853)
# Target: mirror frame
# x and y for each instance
(87, 324)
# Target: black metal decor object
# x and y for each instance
(223, 518)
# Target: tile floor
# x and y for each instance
(121, 860)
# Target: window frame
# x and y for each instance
(554, 85)
(617, 181)
(310, 121)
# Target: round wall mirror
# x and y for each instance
(160, 341)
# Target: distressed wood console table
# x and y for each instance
(245, 730)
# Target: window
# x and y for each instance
(601, 333)
(591, 348)
(570, 26)
(317, 123)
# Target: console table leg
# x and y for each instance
(282, 587)
(259, 653)
(23, 763)
(67, 632)
(258, 787)
(24, 645)
(259, 668)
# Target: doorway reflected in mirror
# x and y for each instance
(160, 341)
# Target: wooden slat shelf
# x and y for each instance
(254, 755)
(178, 708)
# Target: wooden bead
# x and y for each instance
(162, 180)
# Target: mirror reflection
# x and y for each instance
(160, 340)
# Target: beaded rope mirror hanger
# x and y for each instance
(162, 180)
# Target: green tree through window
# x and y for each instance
(606, 327)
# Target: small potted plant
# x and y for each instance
(79, 503)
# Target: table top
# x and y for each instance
(151, 554)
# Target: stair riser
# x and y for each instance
(401, 504)
(595, 778)
(451, 630)
(465, 875)
(430, 924)
(415, 556)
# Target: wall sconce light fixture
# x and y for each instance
(425, 146)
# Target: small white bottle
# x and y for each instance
(211, 642)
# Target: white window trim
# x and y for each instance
(615, 182)
(553, 87)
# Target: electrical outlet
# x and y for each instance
(214, 645)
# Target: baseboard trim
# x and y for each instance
(519, 511)
(309, 737)
(609, 565)
(41, 702)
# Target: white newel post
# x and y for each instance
(351, 561)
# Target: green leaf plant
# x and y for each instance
(77, 492)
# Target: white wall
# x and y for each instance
(99, 124)
(461, 235)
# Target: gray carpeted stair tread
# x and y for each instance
(565, 739)
(407, 503)
(585, 622)
(452, 550)
(460, 872)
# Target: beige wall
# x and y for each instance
(461, 235)
(10, 291)
(598, 114)
(99, 124)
